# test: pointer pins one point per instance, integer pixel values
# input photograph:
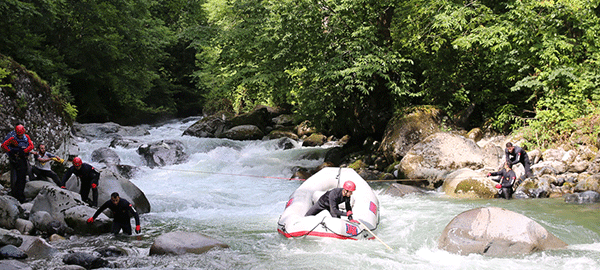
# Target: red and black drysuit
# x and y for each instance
(18, 152)
(88, 176)
(330, 201)
(122, 212)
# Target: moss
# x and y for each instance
(358, 164)
(475, 187)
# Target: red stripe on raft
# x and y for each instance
(317, 234)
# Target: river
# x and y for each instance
(233, 191)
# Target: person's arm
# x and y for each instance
(333, 204)
(29, 146)
(67, 176)
(102, 208)
(134, 214)
(6, 143)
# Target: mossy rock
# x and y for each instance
(473, 188)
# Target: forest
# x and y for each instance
(346, 65)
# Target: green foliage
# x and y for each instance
(4, 73)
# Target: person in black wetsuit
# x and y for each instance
(122, 212)
(507, 180)
(18, 145)
(331, 199)
(89, 179)
(514, 155)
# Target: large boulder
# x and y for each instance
(439, 155)
(466, 183)
(178, 243)
(211, 126)
(243, 132)
(583, 197)
(111, 181)
(37, 247)
(494, 231)
(14, 265)
(94, 131)
(400, 190)
(55, 201)
(162, 153)
(407, 129)
(33, 188)
(77, 217)
(106, 155)
(9, 211)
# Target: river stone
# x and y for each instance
(243, 132)
(105, 155)
(494, 231)
(9, 212)
(163, 153)
(37, 247)
(85, 260)
(582, 198)
(14, 265)
(178, 243)
(25, 226)
(77, 217)
(33, 188)
(400, 190)
(54, 201)
(12, 252)
(10, 238)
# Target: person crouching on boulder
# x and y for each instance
(122, 212)
(89, 179)
(507, 180)
(331, 199)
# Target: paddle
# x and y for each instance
(374, 234)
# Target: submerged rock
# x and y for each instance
(177, 243)
(494, 231)
(85, 260)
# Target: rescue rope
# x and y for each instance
(300, 179)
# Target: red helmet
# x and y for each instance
(77, 162)
(20, 130)
(349, 185)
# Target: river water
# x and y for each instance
(232, 191)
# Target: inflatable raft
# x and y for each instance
(364, 203)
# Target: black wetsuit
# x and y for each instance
(122, 213)
(507, 180)
(88, 176)
(519, 155)
(18, 153)
(330, 201)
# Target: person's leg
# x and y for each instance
(506, 193)
(84, 191)
(126, 228)
(116, 228)
(54, 177)
(314, 210)
(21, 180)
(35, 174)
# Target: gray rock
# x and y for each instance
(583, 198)
(37, 247)
(93, 131)
(243, 132)
(162, 153)
(12, 252)
(85, 260)
(466, 183)
(106, 155)
(208, 127)
(400, 190)
(14, 265)
(9, 211)
(54, 201)
(494, 231)
(10, 238)
(77, 217)
(25, 226)
(33, 188)
(178, 243)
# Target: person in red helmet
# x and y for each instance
(331, 200)
(17, 145)
(122, 212)
(89, 177)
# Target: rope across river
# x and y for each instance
(283, 178)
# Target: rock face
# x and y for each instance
(177, 243)
(30, 102)
(494, 231)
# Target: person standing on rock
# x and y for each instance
(507, 180)
(122, 212)
(514, 155)
(89, 179)
(17, 145)
(41, 169)
(331, 200)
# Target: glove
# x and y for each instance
(498, 186)
(61, 160)
(94, 185)
(349, 213)
(489, 174)
(90, 220)
(63, 187)
(138, 229)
